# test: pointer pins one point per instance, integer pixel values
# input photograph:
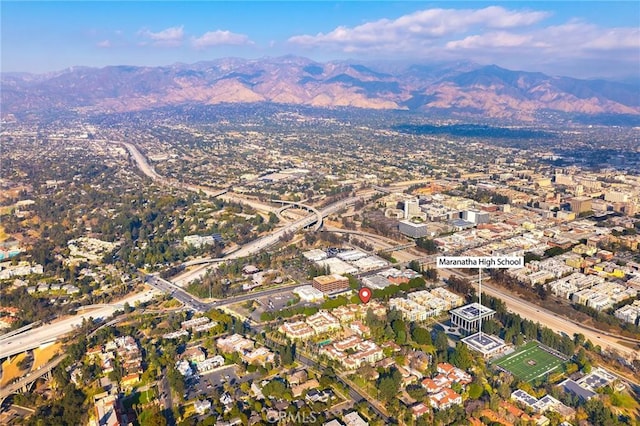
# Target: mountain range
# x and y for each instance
(455, 89)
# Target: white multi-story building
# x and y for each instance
(629, 313)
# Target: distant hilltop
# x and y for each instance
(459, 90)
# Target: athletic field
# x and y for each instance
(530, 362)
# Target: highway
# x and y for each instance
(266, 241)
(547, 318)
(29, 378)
(198, 305)
(255, 246)
(35, 337)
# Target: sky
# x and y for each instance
(576, 38)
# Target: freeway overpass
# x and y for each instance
(272, 239)
(19, 330)
(291, 204)
(25, 383)
(51, 332)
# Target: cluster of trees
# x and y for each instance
(69, 410)
(539, 291)
(430, 274)
(31, 308)
(427, 245)
(511, 327)
(376, 221)
(605, 318)
(484, 195)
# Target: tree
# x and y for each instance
(427, 245)
(152, 417)
(274, 388)
(475, 390)
(421, 336)
(176, 380)
(442, 341)
(415, 265)
(461, 357)
(388, 388)
(287, 354)
(431, 274)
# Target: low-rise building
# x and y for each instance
(323, 322)
(194, 322)
(469, 316)
(258, 356)
(202, 407)
(308, 293)
(413, 229)
(297, 330)
(331, 283)
(234, 343)
(629, 313)
(444, 399)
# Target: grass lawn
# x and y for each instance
(138, 398)
(530, 362)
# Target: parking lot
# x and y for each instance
(204, 384)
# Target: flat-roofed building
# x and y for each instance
(308, 293)
(574, 388)
(469, 316)
(331, 283)
(323, 322)
(315, 255)
(297, 330)
(376, 282)
(413, 230)
(488, 345)
(337, 266)
(580, 204)
(629, 313)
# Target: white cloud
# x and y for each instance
(572, 39)
(511, 38)
(418, 28)
(104, 44)
(169, 37)
(218, 38)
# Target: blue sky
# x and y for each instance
(584, 39)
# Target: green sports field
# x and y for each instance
(530, 362)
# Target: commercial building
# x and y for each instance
(331, 283)
(337, 266)
(308, 293)
(475, 216)
(580, 204)
(412, 208)
(413, 230)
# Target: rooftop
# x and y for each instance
(472, 311)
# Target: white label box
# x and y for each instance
(488, 262)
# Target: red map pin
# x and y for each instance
(364, 294)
